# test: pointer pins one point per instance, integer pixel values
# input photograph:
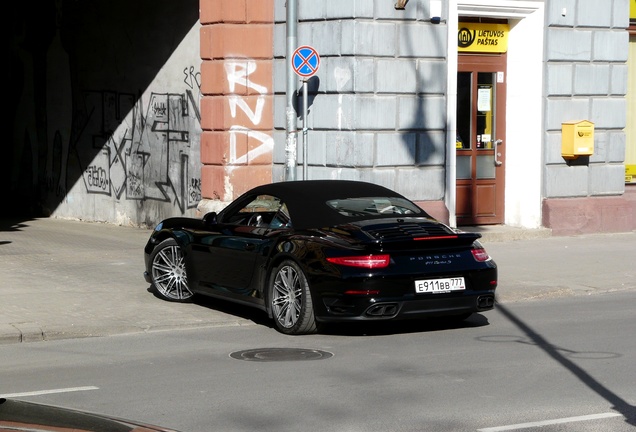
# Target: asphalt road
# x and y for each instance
(553, 364)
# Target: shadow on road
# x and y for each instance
(252, 314)
(384, 328)
(618, 404)
(363, 328)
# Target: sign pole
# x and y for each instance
(305, 128)
(305, 62)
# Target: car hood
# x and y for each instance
(16, 415)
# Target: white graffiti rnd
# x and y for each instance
(238, 74)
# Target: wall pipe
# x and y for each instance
(291, 141)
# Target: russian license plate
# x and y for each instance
(439, 285)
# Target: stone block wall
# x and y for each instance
(377, 105)
(586, 79)
(586, 76)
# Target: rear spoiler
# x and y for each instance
(462, 239)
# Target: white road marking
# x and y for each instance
(550, 422)
(44, 392)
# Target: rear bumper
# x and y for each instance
(395, 298)
(429, 306)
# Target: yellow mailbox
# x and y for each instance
(577, 139)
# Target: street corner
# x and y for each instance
(20, 332)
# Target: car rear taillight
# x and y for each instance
(444, 237)
(363, 292)
(480, 254)
(367, 261)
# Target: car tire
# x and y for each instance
(290, 300)
(168, 273)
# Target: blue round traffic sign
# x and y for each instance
(305, 61)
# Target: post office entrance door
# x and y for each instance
(481, 139)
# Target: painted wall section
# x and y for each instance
(524, 131)
(237, 103)
(109, 124)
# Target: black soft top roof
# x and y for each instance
(306, 200)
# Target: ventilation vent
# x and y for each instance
(409, 231)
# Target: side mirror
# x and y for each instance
(210, 218)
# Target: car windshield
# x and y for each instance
(370, 206)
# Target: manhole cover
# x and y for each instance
(280, 354)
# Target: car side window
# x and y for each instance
(258, 212)
(373, 206)
(281, 219)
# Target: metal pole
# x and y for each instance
(305, 110)
(291, 141)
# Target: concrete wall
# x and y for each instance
(586, 79)
(107, 123)
(377, 106)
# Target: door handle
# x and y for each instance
(250, 246)
(497, 154)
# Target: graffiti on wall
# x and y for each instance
(133, 151)
(105, 132)
(239, 74)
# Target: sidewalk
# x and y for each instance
(65, 279)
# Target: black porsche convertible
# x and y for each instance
(317, 251)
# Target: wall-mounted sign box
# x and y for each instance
(481, 37)
(630, 172)
(577, 139)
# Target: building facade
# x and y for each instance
(516, 112)
(473, 134)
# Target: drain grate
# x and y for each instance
(280, 354)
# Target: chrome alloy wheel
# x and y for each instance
(287, 296)
(169, 273)
(290, 300)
